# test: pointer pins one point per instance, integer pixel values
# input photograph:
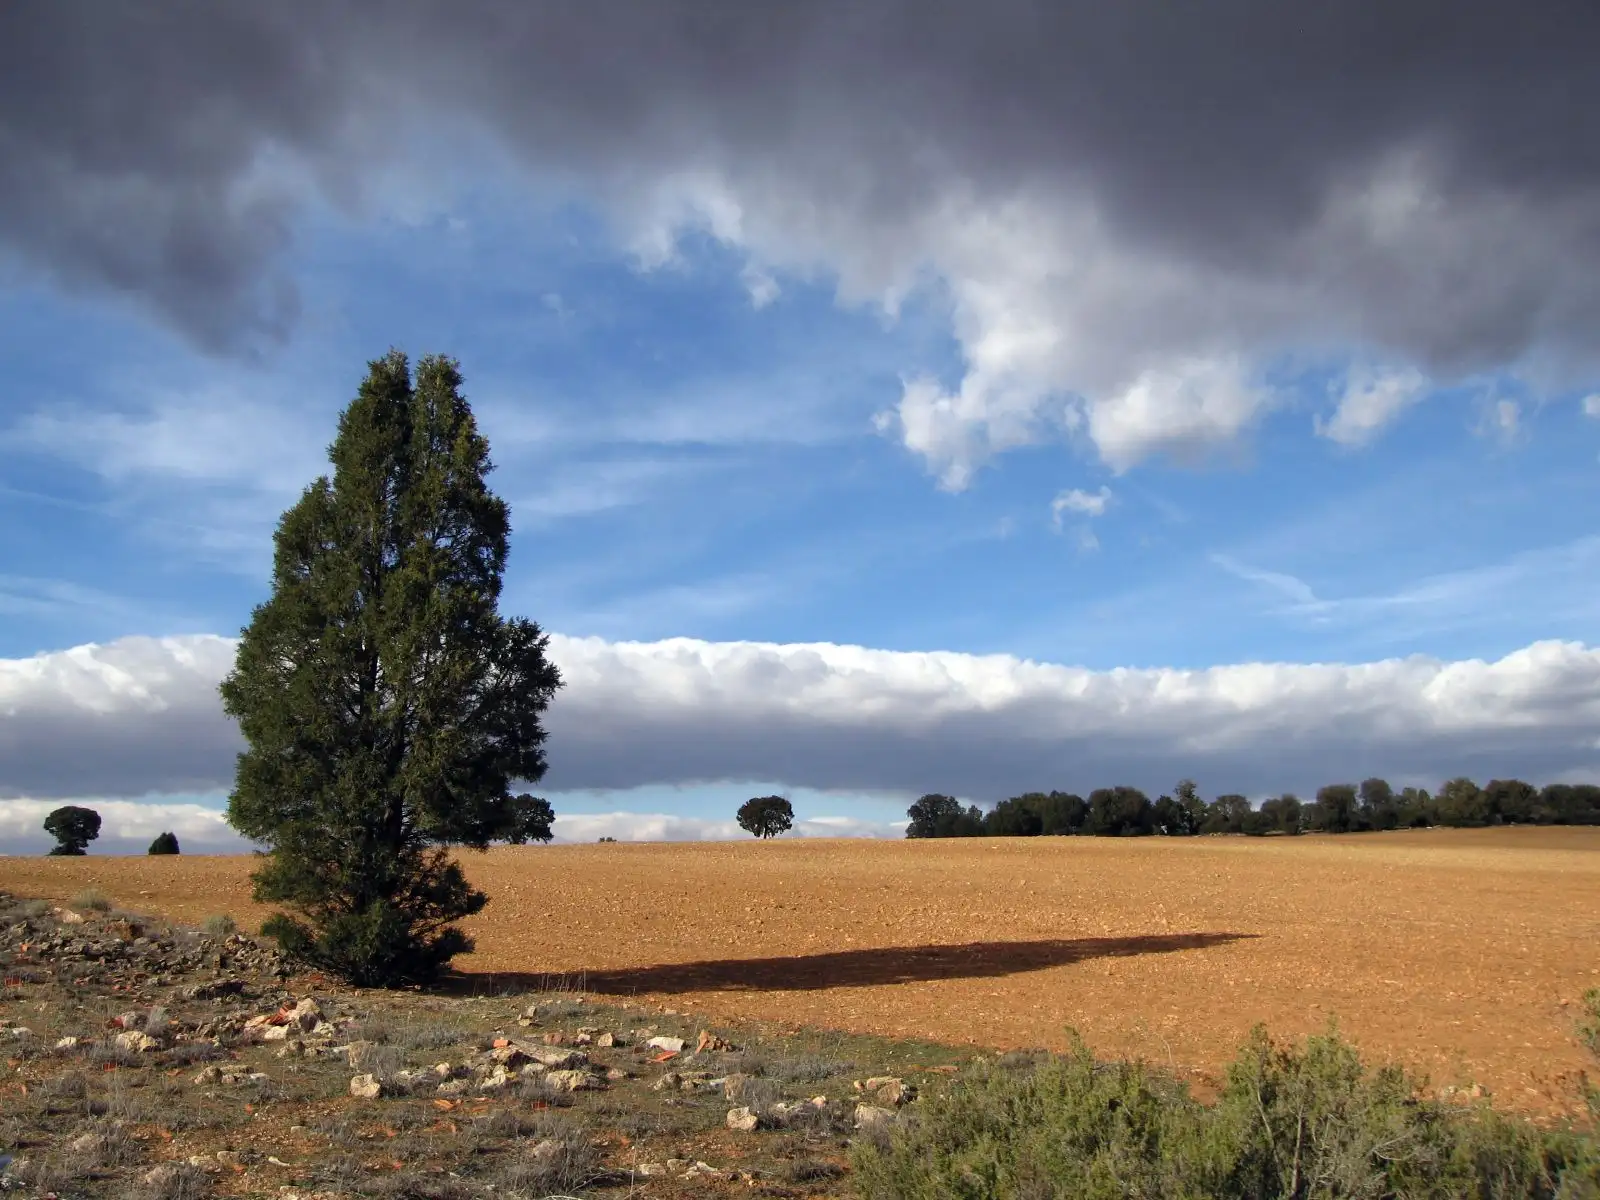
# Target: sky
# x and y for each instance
(890, 398)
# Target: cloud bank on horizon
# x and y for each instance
(1139, 216)
(140, 717)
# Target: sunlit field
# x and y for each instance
(1460, 952)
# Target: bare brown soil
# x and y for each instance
(1462, 953)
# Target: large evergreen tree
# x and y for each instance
(385, 703)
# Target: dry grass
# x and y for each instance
(1462, 953)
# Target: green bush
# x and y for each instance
(221, 926)
(92, 899)
(1296, 1122)
(165, 843)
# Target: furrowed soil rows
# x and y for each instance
(1462, 953)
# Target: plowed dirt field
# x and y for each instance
(1462, 953)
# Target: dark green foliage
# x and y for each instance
(1379, 808)
(1016, 817)
(1510, 801)
(1190, 805)
(1339, 808)
(766, 816)
(1462, 803)
(1284, 812)
(1569, 804)
(936, 816)
(1417, 809)
(1036, 813)
(1181, 814)
(73, 828)
(1060, 812)
(385, 704)
(1336, 809)
(1227, 814)
(165, 843)
(1120, 812)
(1293, 1122)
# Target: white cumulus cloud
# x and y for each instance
(137, 717)
(1370, 401)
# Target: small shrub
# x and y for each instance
(165, 843)
(759, 1094)
(811, 1170)
(1589, 1031)
(806, 1068)
(220, 926)
(92, 899)
(106, 1055)
(65, 1092)
(1291, 1122)
(186, 1054)
(554, 1156)
(1589, 1025)
(537, 1090)
(175, 1181)
(47, 1176)
(426, 1035)
(416, 1185)
(103, 1144)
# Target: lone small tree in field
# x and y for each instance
(73, 828)
(165, 843)
(385, 704)
(766, 816)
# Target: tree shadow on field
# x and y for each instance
(858, 968)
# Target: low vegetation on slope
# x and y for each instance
(164, 1063)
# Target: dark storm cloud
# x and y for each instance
(1212, 136)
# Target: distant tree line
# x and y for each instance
(1338, 808)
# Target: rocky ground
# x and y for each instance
(148, 1060)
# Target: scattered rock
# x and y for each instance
(669, 1045)
(498, 1080)
(888, 1090)
(743, 1120)
(139, 1043)
(545, 1150)
(167, 1177)
(575, 1081)
(557, 1060)
(510, 1057)
(710, 1041)
(365, 1087)
(870, 1116)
